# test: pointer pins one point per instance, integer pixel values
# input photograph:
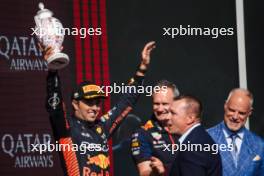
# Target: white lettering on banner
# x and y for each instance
(22, 53)
(4, 49)
(28, 64)
(19, 147)
(31, 161)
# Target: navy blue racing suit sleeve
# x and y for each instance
(112, 119)
(55, 106)
(141, 148)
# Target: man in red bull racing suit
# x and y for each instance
(149, 143)
(86, 134)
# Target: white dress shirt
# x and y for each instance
(238, 140)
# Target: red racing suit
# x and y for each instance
(88, 152)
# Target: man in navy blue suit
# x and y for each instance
(247, 155)
(184, 120)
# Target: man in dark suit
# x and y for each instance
(198, 158)
(247, 155)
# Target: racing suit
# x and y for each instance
(88, 154)
(151, 140)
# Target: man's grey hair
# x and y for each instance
(245, 91)
(169, 84)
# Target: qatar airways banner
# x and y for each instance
(24, 120)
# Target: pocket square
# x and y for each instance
(257, 158)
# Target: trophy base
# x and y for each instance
(58, 61)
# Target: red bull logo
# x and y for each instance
(99, 160)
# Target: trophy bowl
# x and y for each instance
(50, 33)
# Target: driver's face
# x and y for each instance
(88, 109)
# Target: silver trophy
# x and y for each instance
(50, 33)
